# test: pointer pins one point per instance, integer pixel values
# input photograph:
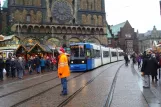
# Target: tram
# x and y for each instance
(87, 56)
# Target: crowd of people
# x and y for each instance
(149, 64)
(18, 66)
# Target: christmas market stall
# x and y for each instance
(21, 51)
(40, 50)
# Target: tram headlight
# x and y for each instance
(83, 62)
(71, 62)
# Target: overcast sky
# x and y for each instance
(142, 14)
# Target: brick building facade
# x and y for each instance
(123, 36)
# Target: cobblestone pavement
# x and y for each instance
(52, 98)
(89, 89)
(95, 94)
(27, 76)
(154, 97)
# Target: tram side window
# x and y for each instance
(97, 54)
(120, 54)
(113, 54)
(105, 54)
(92, 53)
(88, 53)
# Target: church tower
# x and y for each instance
(91, 12)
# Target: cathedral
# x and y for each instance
(57, 22)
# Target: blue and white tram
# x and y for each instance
(87, 56)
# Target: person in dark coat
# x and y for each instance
(149, 65)
(37, 63)
(13, 67)
(146, 71)
(126, 59)
(1, 68)
(31, 65)
(8, 67)
(154, 67)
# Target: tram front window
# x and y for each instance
(77, 51)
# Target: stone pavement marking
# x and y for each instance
(149, 94)
(127, 92)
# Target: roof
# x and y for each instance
(7, 37)
(44, 48)
(116, 28)
(8, 48)
(5, 4)
(109, 35)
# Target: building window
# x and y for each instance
(109, 41)
(28, 18)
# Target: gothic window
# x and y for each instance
(19, 2)
(84, 19)
(16, 15)
(28, 18)
(24, 13)
(28, 2)
(83, 4)
(99, 5)
(37, 2)
(95, 20)
(96, 5)
(89, 19)
(89, 5)
(33, 16)
(100, 20)
(38, 16)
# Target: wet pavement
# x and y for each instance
(127, 92)
(90, 89)
(153, 94)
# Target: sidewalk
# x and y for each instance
(155, 86)
(127, 92)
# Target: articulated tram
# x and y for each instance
(87, 56)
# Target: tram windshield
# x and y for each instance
(77, 51)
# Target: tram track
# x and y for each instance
(25, 100)
(1, 96)
(110, 95)
(46, 90)
(65, 102)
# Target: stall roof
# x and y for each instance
(44, 48)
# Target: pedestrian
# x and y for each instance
(31, 65)
(154, 67)
(149, 65)
(42, 64)
(126, 59)
(20, 68)
(13, 67)
(8, 67)
(139, 61)
(37, 64)
(48, 64)
(1, 68)
(63, 70)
